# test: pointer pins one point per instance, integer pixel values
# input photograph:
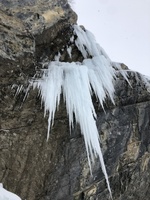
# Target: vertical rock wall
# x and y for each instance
(33, 31)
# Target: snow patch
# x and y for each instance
(146, 80)
(57, 57)
(6, 195)
(69, 50)
(72, 39)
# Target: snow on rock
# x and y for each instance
(121, 71)
(6, 195)
(77, 81)
(145, 79)
(69, 50)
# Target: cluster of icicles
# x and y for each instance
(77, 81)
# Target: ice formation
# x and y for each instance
(6, 195)
(69, 49)
(77, 81)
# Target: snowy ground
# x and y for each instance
(6, 195)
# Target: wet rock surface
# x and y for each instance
(36, 169)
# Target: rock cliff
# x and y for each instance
(33, 32)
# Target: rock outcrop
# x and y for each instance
(33, 32)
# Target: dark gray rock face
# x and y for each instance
(33, 31)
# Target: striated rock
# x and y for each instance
(33, 32)
(25, 24)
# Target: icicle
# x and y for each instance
(72, 39)
(57, 57)
(77, 81)
(50, 89)
(69, 49)
(20, 88)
